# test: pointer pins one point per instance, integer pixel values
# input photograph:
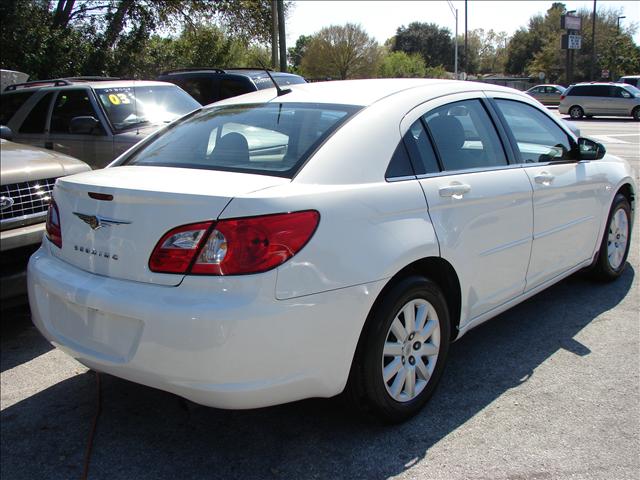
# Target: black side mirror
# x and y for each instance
(6, 132)
(590, 150)
(83, 125)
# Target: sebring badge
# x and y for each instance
(5, 202)
(96, 221)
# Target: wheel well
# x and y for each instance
(441, 272)
(628, 192)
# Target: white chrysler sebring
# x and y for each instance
(335, 236)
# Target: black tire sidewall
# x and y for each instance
(604, 269)
(410, 288)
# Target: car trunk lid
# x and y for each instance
(112, 219)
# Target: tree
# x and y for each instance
(298, 50)
(434, 43)
(341, 52)
(401, 65)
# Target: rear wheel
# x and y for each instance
(576, 112)
(636, 113)
(614, 248)
(402, 353)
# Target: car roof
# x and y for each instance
(247, 72)
(630, 76)
(357, 92)
(66, 83)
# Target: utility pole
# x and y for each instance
(593, 42)
(454, 11)
(283, 37)
(274, 34)
(466, 50)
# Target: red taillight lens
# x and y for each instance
(235, 246)
(562, 97)
(54, 230)
(177, 248)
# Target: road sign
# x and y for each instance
(570, 22)
(571, 42)
(605, 73)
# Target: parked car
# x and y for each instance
(547, 94)
(268, 249)
(27, 178)
(610, 99)
(208, 85)
(631, 80)
(91, 118)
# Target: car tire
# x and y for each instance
(614, 248)
(389, 344)
(576, 112)
(636, 114)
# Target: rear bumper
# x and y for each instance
(222, 342)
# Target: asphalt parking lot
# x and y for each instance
(548, 390)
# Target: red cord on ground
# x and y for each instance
(87, 454)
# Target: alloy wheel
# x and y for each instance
(618, 238)
(411, 350)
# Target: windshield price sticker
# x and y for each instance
(119, 98)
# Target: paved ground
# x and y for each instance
(549, 390)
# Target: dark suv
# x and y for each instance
(208, 85)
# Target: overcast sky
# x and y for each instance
(381, 18)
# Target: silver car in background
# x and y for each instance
(547, 94)
(91, 118)
(598, 98)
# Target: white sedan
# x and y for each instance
(338, 236)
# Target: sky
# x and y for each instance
(381, 18)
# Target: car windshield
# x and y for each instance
(269, 139)
(635, 91)
(131, 106)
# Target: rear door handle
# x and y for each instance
(544, 178)
(455, 190)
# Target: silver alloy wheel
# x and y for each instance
(411, 350)
(618, 238)
(576, 112)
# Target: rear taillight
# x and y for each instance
(54, 230)
(562, 97)
(234, 246)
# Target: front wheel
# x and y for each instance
(636, 113)
(614, 248)
(401, 356)
(576, 112)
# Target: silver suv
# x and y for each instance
(28, 175)
(91, 118)
(610, 99)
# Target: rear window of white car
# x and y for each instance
(269, 139)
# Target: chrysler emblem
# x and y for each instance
(5, 202)
(96, 221)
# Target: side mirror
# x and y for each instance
(590, 150)
(6, 132)
(83, 125)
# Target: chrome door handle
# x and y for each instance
(455, 190)
(544, 178)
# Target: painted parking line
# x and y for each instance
(607, 139)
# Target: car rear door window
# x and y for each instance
(37, 118)
(538, 138)
(420, 149)
(68, 105)
(231, 88)
(465, 136)
(11, 103)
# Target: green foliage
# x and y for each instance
(434, 43)
(401, 65)
(436, 72)
(538, 48)
(341, 52)
(298, 50)
(105, 37)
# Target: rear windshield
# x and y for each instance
(268, 139)
(282, 81)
